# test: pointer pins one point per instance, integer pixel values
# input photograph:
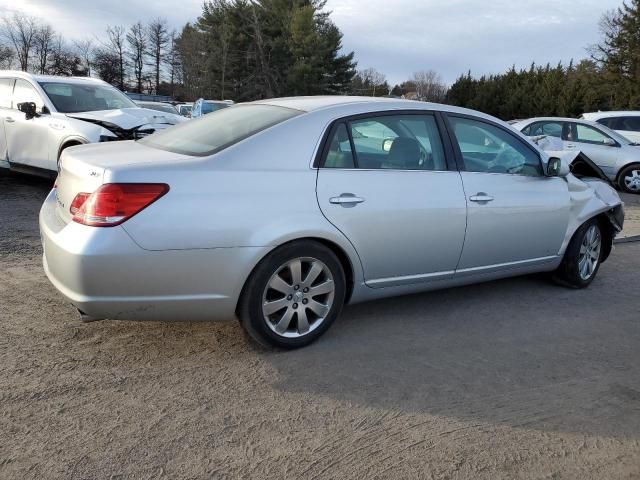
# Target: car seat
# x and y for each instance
(405, 153)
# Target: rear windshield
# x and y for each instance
(218, 130)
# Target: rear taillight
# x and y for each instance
(78, 202)
(114, 203)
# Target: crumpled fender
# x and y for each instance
(591, 197)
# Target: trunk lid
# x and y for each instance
(84, 168)
(75, 176)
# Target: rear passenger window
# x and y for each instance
(339, 154)
(398, 142)
(6, 87)
(489, 149)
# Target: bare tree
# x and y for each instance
(64, 60)
(137, 41)
(115, 45)
(85, 51)
(105, 65)
(609, 26)
(172, 60)
(429, 86)
(370, 82)
(269, 80)
(158, 37)
(21, 31)
(43, 45)
(6, 57)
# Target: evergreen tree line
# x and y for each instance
(565, 91)
(609, 80)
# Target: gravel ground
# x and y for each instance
(509, 379)
(632, 215)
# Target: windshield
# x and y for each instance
(85, 97)
(212, 133)
(208, 107)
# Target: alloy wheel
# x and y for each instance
(298, 297)
(589, 252)
(632, 181)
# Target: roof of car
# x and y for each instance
(556, 119)
(596, 115)
(48, 78)
(309, 104)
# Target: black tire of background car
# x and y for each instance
(250, 305)
(623, 173)
(567, 273)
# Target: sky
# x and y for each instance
(396, 37)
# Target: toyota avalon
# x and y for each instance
(279, 212)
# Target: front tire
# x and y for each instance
(582, 259)
(293, 295)
(629, 179)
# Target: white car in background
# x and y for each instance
(41, 115)
(625, 123)
(184, 109)
(617, 156)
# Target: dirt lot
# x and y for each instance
(510, 379)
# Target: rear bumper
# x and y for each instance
(105, 274)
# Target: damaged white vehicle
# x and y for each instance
(41, 115)
(281, 211)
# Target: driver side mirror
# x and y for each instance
(29, 109)
(557, 168)
(386, 144)
(609, 142)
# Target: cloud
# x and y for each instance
(401, 36)
(397, 37)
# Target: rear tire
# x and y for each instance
(583, 257)
(293, 296)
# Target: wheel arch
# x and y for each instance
(623, 168)
(338, 251)
(70, 142)
(607, 220)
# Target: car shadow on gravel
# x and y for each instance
(520, 352)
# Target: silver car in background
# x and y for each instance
(41, 115)
(281, 211)
(616, 155)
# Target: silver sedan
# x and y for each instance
(617, 156)
(279, 212)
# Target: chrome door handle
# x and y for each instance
(346, 200)
(481, 197)
(571, 145)
(9, 120)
